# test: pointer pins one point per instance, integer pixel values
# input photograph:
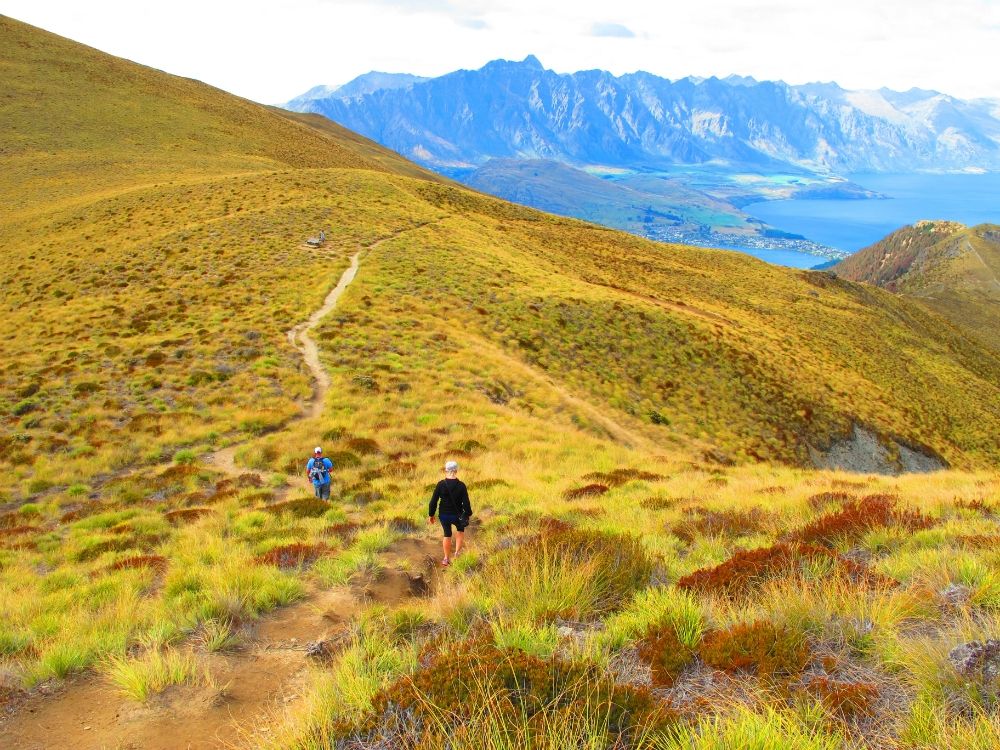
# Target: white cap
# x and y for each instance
(451, 466)
(317, 449)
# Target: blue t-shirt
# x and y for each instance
(322, 474)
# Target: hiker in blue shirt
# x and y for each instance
(318, 470)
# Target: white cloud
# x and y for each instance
(612, 30)
(271, 52)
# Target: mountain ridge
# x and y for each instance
(640, 118)
(951, 268)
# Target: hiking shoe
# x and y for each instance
(445, 563)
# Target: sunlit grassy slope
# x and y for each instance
(590, 383)
(154, 258)
(951, 268)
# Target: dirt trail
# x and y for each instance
(299, 338)
(251, 684)
(982, 262)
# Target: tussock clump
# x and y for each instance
(823, 500)
(488, 484)
(719, 523)
(659, 503)
(193, 498)
(175, 473)
(843, 697)
(979, 541)
(769, 650)
(249, 499)
(343, 459)
(403, 525)
(666, 654)
(774, 490)
(303, 507)
(550, 525)
(364, 446)
(186, 515)
(977, 506)
(345, 531)
(748, 571)
(571, 573)
(587, 491)
(141, 561)
(249, 480)
(472, 690)
(95, 549)
(619, 477)
(295, 555)
(364, 495)
(393, 469)
(13, 531)
(468, 446)
(855, 519)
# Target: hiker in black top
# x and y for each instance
(455, 509)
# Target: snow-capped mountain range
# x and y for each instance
(522, 110)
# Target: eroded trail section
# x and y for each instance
(251, 685)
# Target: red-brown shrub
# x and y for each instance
(855, 519)
(345, 531)
(768, 649)
(17, 531)
(295, 555)
(185, 515)
(748, 571)
(141, 561)
(619, 477)
(586, 491)
(668, 657)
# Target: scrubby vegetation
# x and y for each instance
(678, 582)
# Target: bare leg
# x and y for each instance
(459, 540)
(446, 546)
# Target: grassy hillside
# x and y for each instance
(636, 588)
(951, 268)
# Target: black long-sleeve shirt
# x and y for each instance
(454, 497)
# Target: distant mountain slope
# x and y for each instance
(521, 110)
(363, 84)
(154, 260)
(560, 189)
(163, 127)
(951, 268)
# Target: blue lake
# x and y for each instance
(853, 224)
(790, 258)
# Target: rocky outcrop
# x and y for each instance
(866, 452)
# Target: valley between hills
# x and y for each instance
(680, 538)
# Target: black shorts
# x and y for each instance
(448, 521)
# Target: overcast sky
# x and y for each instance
(271, 51)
